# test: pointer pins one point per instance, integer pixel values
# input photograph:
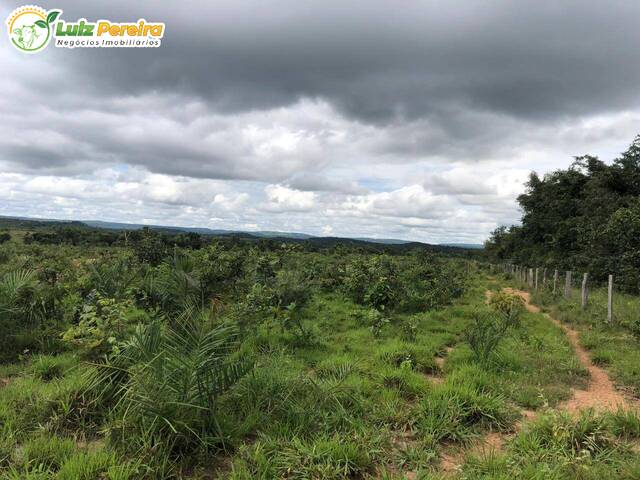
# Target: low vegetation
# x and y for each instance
(262, 360)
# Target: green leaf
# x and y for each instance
(41, 23)
(51, 17)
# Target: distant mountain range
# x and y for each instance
(222, 232)
(476, 246)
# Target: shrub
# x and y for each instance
(373, 282)
(410, 329)
(102, 324)
(21, 311)
(166, 381)
(149, 247)
(485, 334)
(377, 321)
(47, 368)
(290, 287)
(509, 306)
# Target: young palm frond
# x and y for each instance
(174, 285)
(13, 286)
(13, 283)
(113, 279)
(167, 379)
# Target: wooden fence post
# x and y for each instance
(531, 277)
(585, 291)
(567, 285)
(537, 270)
(610, 301)
(544, 277)
(555, 280)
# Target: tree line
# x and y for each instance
(583, 218)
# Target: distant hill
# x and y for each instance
(258, 234)
(35, 223)
(201, 230)
(470, 246)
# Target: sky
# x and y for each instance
(417, 120)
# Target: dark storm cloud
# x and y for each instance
(419, 119)
(382, 60)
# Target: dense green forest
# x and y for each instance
(585, 218)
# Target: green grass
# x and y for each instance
(616, 346)
(557, 446)
(350, 404)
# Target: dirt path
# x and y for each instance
(601, 393)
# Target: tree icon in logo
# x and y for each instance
(31, 27)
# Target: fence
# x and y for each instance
(537, 278)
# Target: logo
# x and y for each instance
(31, 28)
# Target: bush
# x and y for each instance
(410, 329)
(372, 282)
(485, 334)
(22, 311)
(166, 381)
(377, 321)
(102, 324)
(509, 306)
(47, 368)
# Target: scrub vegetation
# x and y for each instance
(154, 355)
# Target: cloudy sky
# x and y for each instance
(416, 119)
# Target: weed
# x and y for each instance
(485, 334)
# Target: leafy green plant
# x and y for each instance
(149, 247)
(22, 310)
(485, 334)
(166, 381)
(103, 322)
(377, 321)
(47, 368)
(509, 306)
(113, 278)
(290, 320)
(410, 329)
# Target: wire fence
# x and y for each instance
(560, 282)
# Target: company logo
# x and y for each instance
(31, 28)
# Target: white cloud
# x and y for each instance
(284, 199)
(285, 128)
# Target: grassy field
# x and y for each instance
(348, 371)
(615, 346)
(350, 405)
